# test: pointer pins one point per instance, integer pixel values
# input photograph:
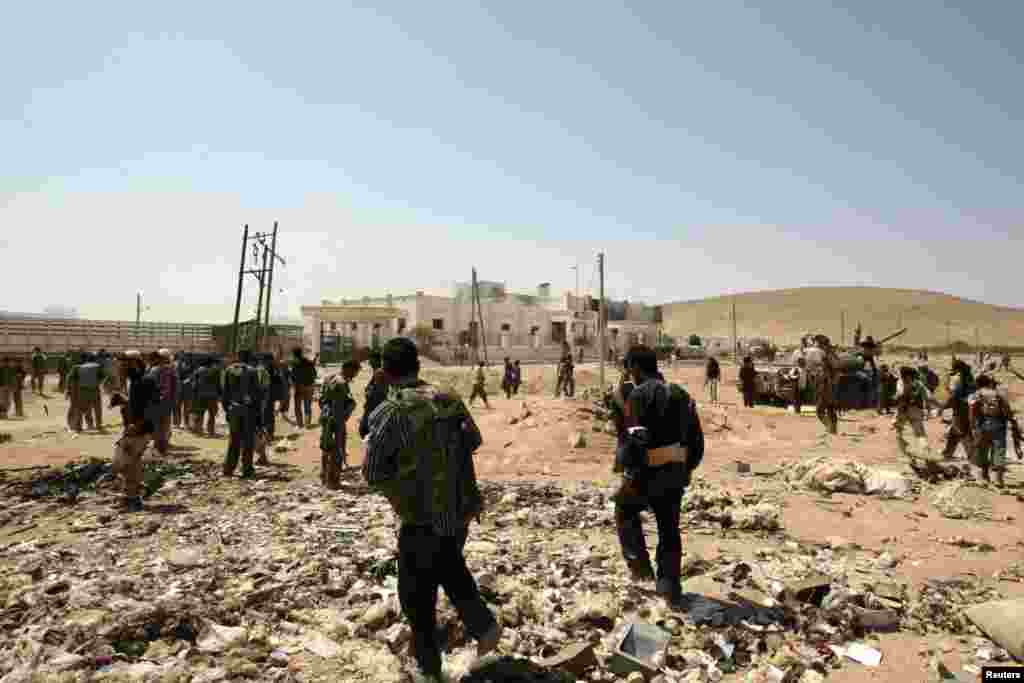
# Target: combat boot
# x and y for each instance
(332, 480)
(132, 504)
(985, 474)
(324, 459)
(1000, 478)
(641, 571)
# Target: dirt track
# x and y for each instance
(537, 449)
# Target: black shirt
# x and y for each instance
(142, 393)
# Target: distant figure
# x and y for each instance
(479, 386)
(517, 377)
(38, 370)
(798, 375)
(1005, 362)
(991, 414)
(886, 390)
(961, 386)
(868, 349)
(304, 378)
(712, 375)
(579, 354)
(911, 402)
(564, 382)
(748, 381)
(508, 380)
(826, 385)
(336, 405)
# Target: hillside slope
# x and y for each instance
(783, 315)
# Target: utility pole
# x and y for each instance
(238, 299)
(262, 254)
(601, 319)
(259, 300)
(479, 315)
(842, 328)
(949, 341)
(138, 310)
(270, 281)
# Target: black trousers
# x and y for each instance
(666, 503)
(425, 562)
(748, 398)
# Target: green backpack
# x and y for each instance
(435, 472)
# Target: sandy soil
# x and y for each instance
(537, 449)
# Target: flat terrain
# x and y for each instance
(784, 315)
(921, 542)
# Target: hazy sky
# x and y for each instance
(706, 147)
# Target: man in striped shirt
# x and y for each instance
(419, 455)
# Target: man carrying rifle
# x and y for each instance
(991, 414)
(661, 445)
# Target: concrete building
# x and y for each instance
(521, 326)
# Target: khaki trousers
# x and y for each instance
(128, 462)
(915, 418)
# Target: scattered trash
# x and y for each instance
(1001, 621)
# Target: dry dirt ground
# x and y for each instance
(537, 449)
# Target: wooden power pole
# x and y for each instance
(601, 320)
(478, 314)
(842, 329)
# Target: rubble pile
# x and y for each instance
(826, 474)
(280, 581)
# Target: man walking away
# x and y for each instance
(183, 401)
(262, 441)
(826, 381)
(961, 386)
(420, 457)
(7, 375)
(286, 381)
(798, 376)
(662, 444)
(63, 366)
(748, 381)
(240, 397)
(138, 429)
(206, 381)
(508, 379)
(991, 414)
(562, 379)
(376, 392)
(911, 403)
(276, 393)
(85, 382)
(336, 405)
(479, 386)
(886, 390)
(19, 387)
(304, 377)
(712, 375)
(166, 378)
(38, 370)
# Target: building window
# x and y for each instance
(438, 323)
(376, 327)
(353, 327)
(334, 326)
(558, 332)
(506, 327)
(401, 325)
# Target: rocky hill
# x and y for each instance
(783, 315)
